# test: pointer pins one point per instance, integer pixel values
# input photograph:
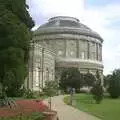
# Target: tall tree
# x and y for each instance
(89, 79)
(71, 77)
(15, 35)
(114, 84)
(107, 80)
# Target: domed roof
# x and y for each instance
(64, 23)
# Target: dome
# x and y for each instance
(74, 44)
(65, 24)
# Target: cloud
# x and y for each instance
(44, 9)
(103, 19)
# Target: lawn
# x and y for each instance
(109, 109)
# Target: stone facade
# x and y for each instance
(41, 67)
(61, 43)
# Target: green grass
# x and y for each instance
(109, 109)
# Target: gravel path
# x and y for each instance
(66, 112)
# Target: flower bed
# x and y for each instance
(24, 107)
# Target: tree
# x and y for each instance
(114, 84)
(107, 80)
(89, 79)
(51, 89)
(15, 35)
(97, 89)
(71, 78)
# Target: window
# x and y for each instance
(93, 55)
(83, 55)
(59, 52)
(71, 53)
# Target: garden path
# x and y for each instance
(66, 112)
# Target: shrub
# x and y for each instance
(97, 92)
(37, 116)
(71, 78)
(29, 94)
(89, 79)
(33, 116)
(97, 89)
(51, 88)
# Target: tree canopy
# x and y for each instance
(15, 35)
(114, 84)
(89, 79)
(71, 77)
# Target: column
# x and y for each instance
(32, 77)
(77, 49)
(97, 51)
(88, 53)
(65, 48)
(42, 67)
(100, 52)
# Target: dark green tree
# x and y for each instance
(71, 78)
(89, 79)
(114, 84)
(15, 35)
(97, 89)
(107, 80)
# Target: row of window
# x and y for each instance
(82, 55)
(81, 49)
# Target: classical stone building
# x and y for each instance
(61, 43)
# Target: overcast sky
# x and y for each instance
(103, 16)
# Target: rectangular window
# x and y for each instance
(83, 55)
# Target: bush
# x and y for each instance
(71, 78)
(51, 88)
(33, 116)
(29, 94)
(89, 79)
(7, 102)
(97, 92)
(37, 116)
(97, 89)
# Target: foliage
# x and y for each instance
(71, 78)
(29, 94)
(51, 88)
(97, 89)
(37, 116)
(15, 35)
(33, 116)
(8, 102)
(114, 84)
(107, 80)
(89, 79)
(4, 101)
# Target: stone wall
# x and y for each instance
(81, 49)
(41, 67)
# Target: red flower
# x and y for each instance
(24, 107)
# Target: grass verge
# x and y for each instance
(109, 109)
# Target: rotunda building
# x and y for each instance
(74, 44)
